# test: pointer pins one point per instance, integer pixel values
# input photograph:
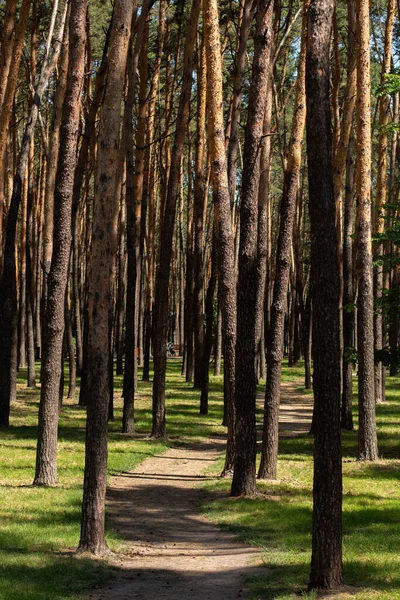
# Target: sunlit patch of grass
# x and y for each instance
(39, 527)
(278, 519)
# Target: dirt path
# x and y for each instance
(173, 551)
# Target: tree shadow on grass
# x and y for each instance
(46, 576)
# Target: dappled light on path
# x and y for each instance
(172, 551)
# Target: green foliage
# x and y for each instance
(390, 85)
(100, 12)
(350, 355)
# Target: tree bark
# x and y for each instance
(8, 297)
(53, 328)
(326, 561)
(100, 286)
(219, 174)
(161, 304)
(381, 191)
(199, 206)
(244, 474)
(134, 189)
(367, 439)
(348, 293)
(269, 451)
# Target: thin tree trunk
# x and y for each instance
(161, 305)
(348, 293)
(367, 439)
(134, 192)
(244, 474)
(8, 297)
(269, 451)
(218, 341)
(381, 191)
(199, 204)
(219, 172)
(208, 338)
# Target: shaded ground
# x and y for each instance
(173, 552)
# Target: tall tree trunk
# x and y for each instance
(199, 208)
(161, 305)
(53, 329)
(219, 172)
(348, 293)
(30, 337)
(238, 75)
(264, 227)
(134, 191)
(208, 338)
(269, 451)
(326, 560)
(8, 82)
(381, 191)
(244, 474)
(51, 170)
(150, 191)
(119, 333)
(367, 439)
(8, 298)
(100, 286)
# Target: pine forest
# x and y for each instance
(199, 299)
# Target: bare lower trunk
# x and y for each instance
(100, 288)
(367, 439)
(244, 474)
(161, 305)
(269, 453)
(53, 329)
(326, 560)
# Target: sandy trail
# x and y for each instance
(173, 552)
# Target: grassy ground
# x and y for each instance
(278, 520)
(39, 527)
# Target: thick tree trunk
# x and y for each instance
(100, 287)
(53, 327)
(80, 172)
(51, 170)
(326, 561)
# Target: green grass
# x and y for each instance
(278, 519)
(39, 527)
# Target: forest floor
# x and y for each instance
(171, 550)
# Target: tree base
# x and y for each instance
(88, 551)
